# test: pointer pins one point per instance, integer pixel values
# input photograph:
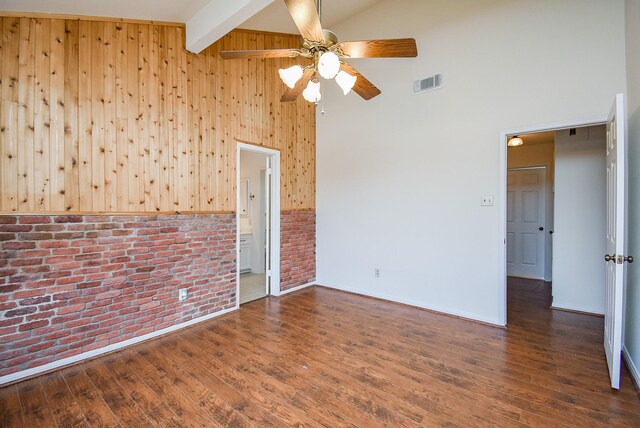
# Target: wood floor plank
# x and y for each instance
(322, 357)
(10, 409)
(94, 408)
(147, 400)
(63, 404)
(213, 405)
(255, 403)
(35, 408)
(183, 405)
(261, 387)
(301, 373)
(253, 363)
(123, 407)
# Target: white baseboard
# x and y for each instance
(576, 308)
(299, 287)
(418, 304)
(13, 377)
(635, 373)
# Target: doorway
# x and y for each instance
(556, 183)
(258, 220)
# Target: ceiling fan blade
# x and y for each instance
(306, 17)
(292, 94)
(390, 48)
(363, 87)
(257, 54)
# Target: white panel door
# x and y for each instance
(526, 198)
(615, 258)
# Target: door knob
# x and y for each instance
(628, 259)
(541, 228)
(608, 258)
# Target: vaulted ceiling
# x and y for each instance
(207, 20)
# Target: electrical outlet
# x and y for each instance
(183, 293)
(376, 272)
(486, 201)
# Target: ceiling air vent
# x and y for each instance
(428, 84)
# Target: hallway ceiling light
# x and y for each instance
(515, 141)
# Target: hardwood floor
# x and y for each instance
(321, 357)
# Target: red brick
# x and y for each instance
(68, 219)
(32, 325)
(13, 337)
(70, 309)
(19, 245)
(5, 219)
(48, 227)
(40, 315)
(15, 228)
(25, 262)
(26, 219)
(34, 300)
(53, 244)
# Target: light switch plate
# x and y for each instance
(486, 201)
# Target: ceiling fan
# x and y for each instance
(328, 56)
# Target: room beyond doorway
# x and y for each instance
(556, 215)
(258, 220)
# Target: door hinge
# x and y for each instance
(268, 171)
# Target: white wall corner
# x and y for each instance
(217, 18)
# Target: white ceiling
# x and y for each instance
(273, 18)
(276, 18)
(154, 10)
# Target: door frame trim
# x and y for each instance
(274, 215)
(501, 242)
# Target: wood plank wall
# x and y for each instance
(104, 116)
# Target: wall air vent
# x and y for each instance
(428, 84)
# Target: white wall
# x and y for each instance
(251, 167)
(539, 155)
(399, 178)
(579, 241)
(632, 324)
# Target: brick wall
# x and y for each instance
(70, 284)
(297, 248)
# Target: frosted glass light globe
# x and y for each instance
(291, 75)
(312, 92)
(345, 81)
(328, 65)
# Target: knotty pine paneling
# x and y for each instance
(108, 116)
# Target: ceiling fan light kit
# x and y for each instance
(328, 56)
